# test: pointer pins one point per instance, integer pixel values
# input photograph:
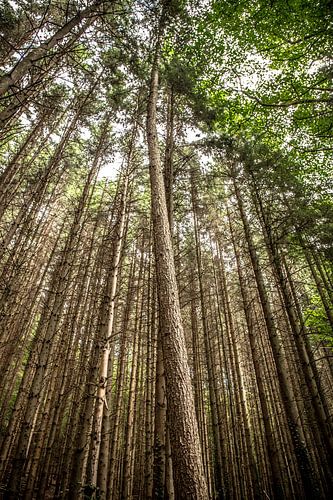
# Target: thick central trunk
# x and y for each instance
(186, 454)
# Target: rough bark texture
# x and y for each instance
(186, 454)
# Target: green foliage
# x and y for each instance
(316, 321)
(264, 67)
(8, 18)
(172, 8)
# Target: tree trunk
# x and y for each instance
(186, 454)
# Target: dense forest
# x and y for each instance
(166, 256)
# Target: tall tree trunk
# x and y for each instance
(288, 397)
(106, 335)
(186, 454)
(269, 437)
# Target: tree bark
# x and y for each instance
(186, 454)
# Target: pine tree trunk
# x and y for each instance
(288, 397)
(186, 454)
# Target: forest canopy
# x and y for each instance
(166, 257)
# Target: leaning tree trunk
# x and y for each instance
(26, 63)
